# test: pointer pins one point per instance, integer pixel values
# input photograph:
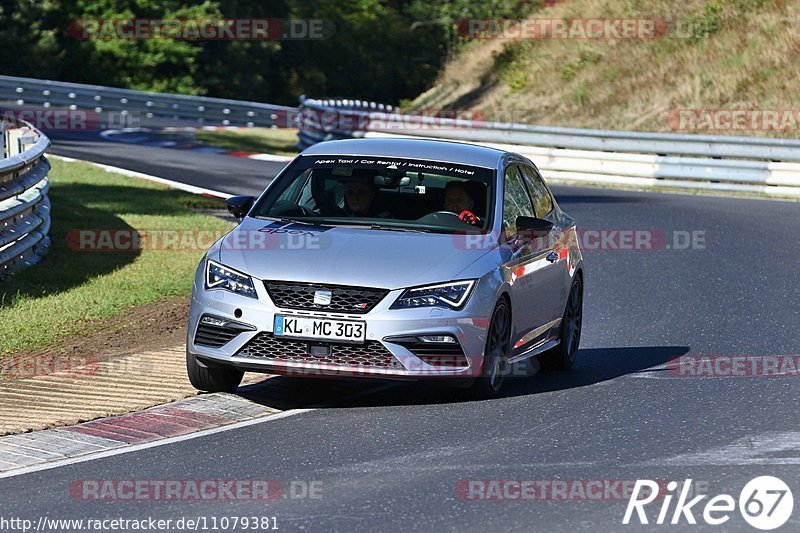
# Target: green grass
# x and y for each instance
(276, 141)
(59, 296)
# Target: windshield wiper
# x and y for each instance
(287, 220)
(296, 221)
(371, 225)
(321, 221)
(398, 228)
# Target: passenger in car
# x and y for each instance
(458, 200)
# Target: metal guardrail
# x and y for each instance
(749, 164)
(332, 119)
(198, 109)
(24, 206)
(746, 164)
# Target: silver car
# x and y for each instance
(388, 258)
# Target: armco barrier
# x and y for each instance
(198, 109)
(745, 164)
(24, 206)
(713, 162)
(328, 120)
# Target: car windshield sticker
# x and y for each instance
(390, 164)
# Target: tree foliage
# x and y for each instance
(383, 50)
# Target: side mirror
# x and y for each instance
(239, 206)
(530, 228)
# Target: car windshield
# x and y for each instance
(383, 193)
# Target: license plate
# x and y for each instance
(320, 328)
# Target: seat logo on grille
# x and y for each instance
(322, 298)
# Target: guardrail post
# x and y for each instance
(25, 141)
(17, 140)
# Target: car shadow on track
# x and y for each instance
(593, 366)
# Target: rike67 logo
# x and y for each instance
(765, 503)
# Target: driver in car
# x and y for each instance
(458, 200)
(359, 199)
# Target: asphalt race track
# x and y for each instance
(397, 456)
(209, 171)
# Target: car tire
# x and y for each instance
(495, 355)
(563, 356)
(212, 379)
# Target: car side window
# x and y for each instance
(516, 201)
(542, 200)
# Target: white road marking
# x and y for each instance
(133, 174)
(271, 157)
(774, 448)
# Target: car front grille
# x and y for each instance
(352, 300)
(372, 354)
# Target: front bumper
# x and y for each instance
(383, 327)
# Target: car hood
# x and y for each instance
(343, 255)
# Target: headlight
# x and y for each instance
(449, 295)
(221, 277)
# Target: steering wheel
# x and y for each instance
(444, 218)
(450, 213)
(447, 218)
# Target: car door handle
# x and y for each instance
(552, 257)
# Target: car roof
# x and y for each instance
(428, 149)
